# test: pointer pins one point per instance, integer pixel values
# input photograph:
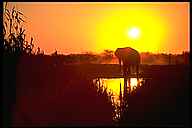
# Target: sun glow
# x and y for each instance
(131, 31)
(83, 27)
(134, 33)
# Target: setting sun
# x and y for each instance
(134, 33)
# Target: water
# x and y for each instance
(113, 86)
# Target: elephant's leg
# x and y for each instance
(129, 69)
(124, 71)
(137, 73)
(129, 82)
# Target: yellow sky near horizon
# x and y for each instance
(75, 27)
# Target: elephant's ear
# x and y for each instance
(117, 52)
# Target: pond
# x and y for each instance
(114, 85)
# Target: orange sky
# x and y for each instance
(81, 27)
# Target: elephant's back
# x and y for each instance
(126, 50)
(131, 56)
(128, 55)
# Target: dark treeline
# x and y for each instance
(108, 57)
(164, 59)
(85, 58)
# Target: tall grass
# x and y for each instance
(14, 37)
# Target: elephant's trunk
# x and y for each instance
(120, 66)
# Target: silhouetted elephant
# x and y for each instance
(129, 58)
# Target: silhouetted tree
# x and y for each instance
(107, 55)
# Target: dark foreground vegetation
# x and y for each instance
(53, 95)
(56, 94)
(163, 100)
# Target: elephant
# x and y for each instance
(129, 58)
